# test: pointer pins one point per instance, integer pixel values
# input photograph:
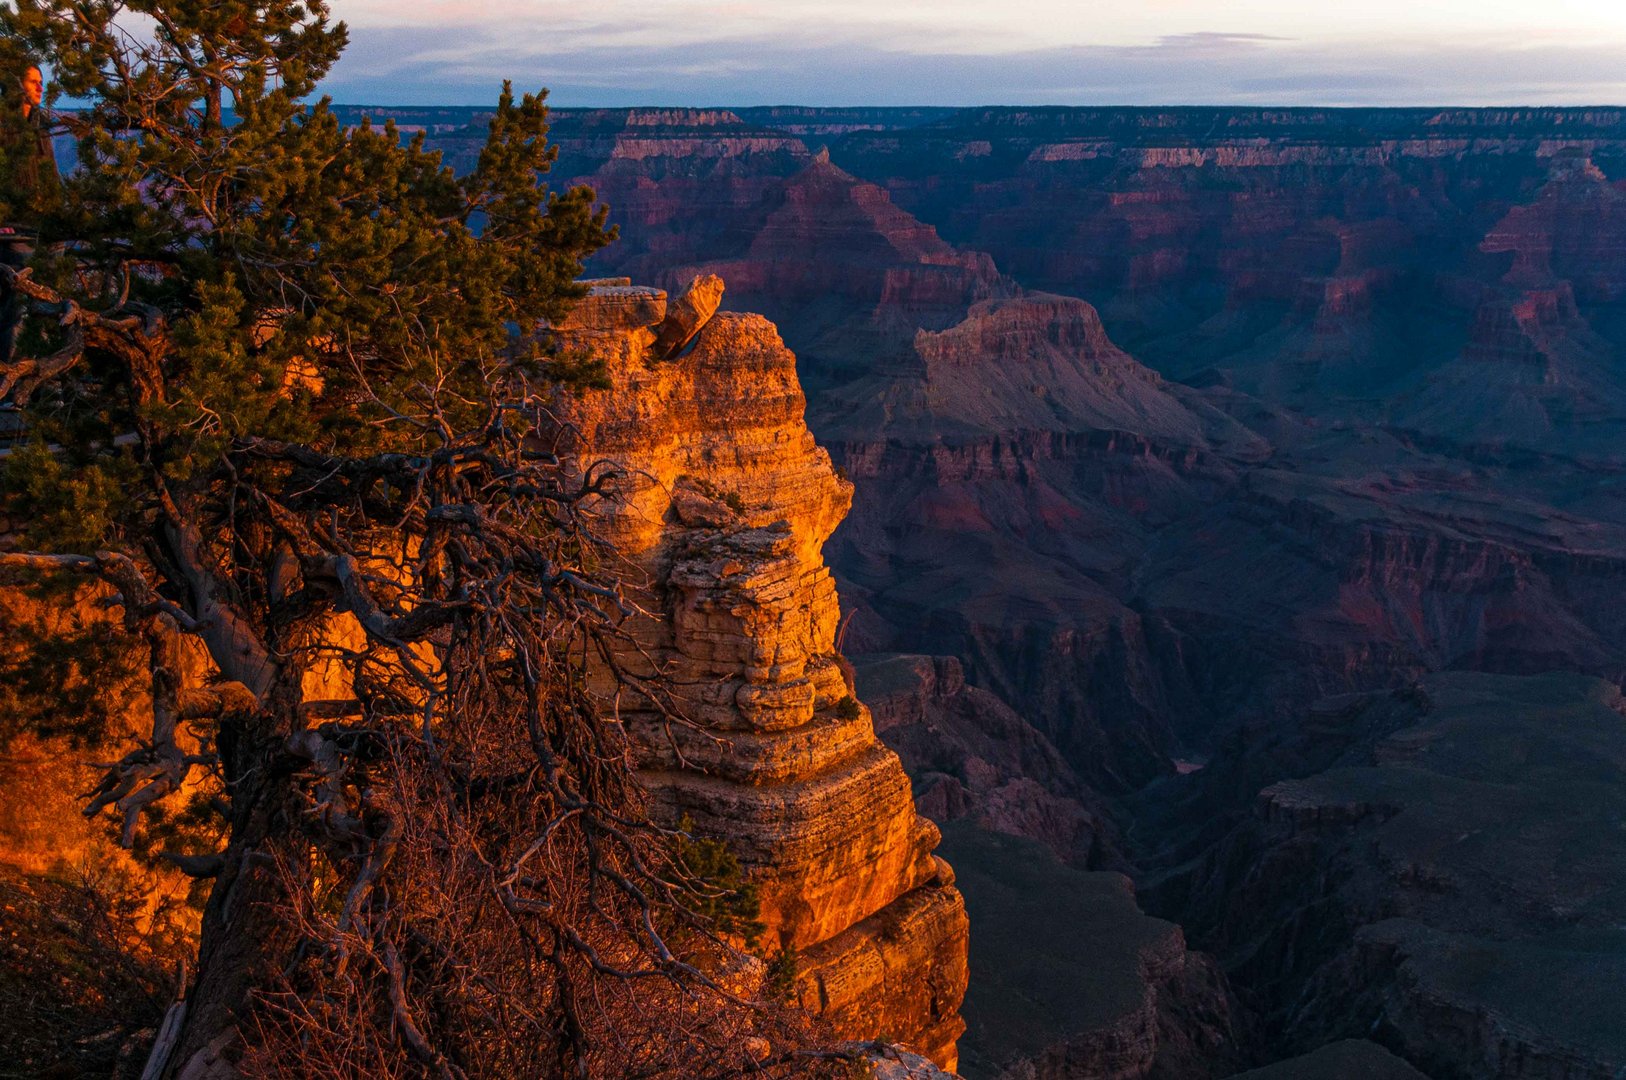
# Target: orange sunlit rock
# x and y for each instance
(726, 502)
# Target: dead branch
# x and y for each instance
(159, 767)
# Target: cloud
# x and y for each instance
(1214, 39)
(591, 63)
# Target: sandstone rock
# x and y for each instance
(890, 1063)
(906, 963)
(614, 304)
(726, 501)
(700, 509)
(687, 315)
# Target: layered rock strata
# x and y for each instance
(724, 502)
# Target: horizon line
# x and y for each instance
(1004, 105)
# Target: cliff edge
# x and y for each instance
(724, 503)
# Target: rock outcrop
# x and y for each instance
(890, 1063)
(725, 502)
(1535, 371)
(1031, 362)
(685, 319)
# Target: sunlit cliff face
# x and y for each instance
(726, 501)
(719, 517)
(43, 776)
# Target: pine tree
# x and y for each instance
(284, 386)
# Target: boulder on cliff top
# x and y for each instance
(886, 1062)
(687, 316)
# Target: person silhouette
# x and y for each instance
(30, 168)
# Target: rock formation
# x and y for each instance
(1033, 362)
(725, 502)
(846, 273)
(1535, 372)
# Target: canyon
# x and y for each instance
(1247, 501)
(1146, 582)
(1169, 431)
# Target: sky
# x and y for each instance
(982, 52)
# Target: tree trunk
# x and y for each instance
(247, 942)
